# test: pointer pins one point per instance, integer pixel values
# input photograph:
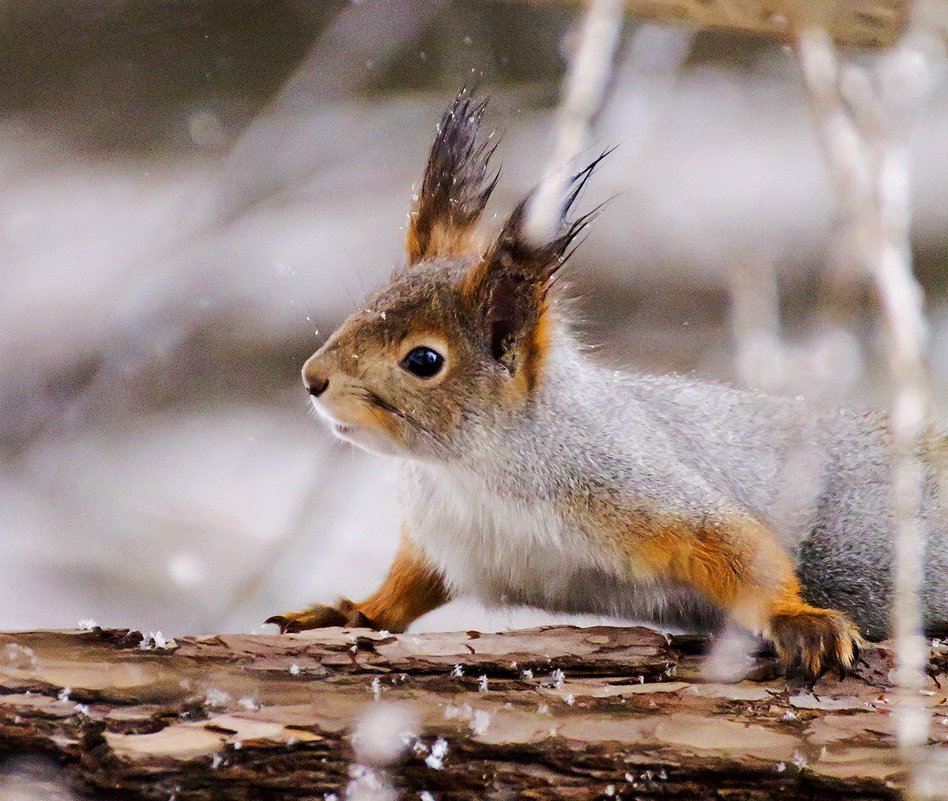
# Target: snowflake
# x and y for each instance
(439, 750)
(153, 640)
(216, 697)
(480, 721)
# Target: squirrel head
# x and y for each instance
(457, 340)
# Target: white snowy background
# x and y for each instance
(190, 202)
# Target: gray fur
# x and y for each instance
(820, 480)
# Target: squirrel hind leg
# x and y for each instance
(810, 641)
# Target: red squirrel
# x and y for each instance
(533, 476)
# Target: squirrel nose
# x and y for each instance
(316, 386)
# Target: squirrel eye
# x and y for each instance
(423, 362)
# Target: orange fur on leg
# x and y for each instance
(739, 565)
(411, 588)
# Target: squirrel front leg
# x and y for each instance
(740, 566)
(411, 588)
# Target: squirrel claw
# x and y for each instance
(343, 614)
(278, 620)
(811, 642)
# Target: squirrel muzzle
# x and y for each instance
(315, 379)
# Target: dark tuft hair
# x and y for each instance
(456, 185)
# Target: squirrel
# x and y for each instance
(530, 475)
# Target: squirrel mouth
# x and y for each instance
(341, 428)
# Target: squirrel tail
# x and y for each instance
(934, 453)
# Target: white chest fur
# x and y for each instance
(508, 551)
(502, 550)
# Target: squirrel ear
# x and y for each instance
(506, 291)
(455, 187)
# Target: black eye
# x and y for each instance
(423, 362)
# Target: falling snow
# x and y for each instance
(439, 751)
(215, 697)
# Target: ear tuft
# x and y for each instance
(542, 259)
(455, 187)
(506, 291)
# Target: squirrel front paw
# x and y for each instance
(344, 613)
(812, 641)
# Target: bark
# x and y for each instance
(632, 714)
(862, 23)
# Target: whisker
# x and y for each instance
(380, 403)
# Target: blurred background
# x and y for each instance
(194, 194)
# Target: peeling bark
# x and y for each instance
(269, 717)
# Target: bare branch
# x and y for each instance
(863, 23)
(864, 119)
(585, 87)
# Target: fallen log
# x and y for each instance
(548, 713)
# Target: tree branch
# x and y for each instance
(863, 23)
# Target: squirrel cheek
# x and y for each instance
(379, 420)
(363, 420)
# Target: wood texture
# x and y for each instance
(269, 717)
(861, 23)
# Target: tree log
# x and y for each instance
(861, 23)
(548, 713)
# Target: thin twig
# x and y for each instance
(587, 78)
(863, 121)
(755, 325)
